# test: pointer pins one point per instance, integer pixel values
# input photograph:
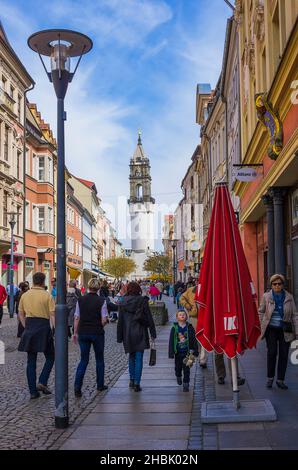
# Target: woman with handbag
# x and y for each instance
(132, 330)
(279, 325)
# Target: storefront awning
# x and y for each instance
(73, 272)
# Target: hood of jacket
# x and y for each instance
(130, 303)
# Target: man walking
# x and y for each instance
(3, 296)
(15, 290)
(90, 318)
(37, 315)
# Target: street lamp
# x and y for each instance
(12, 223)
(60, 45)
(174, 246)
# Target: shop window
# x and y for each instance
(295, 208)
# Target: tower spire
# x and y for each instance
(139, 139)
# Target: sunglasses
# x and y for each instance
(277, 283)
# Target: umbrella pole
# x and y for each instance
(236, 400)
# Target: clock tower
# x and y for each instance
(141, 208)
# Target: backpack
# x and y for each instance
(71, 302)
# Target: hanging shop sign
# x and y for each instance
(245, 174)
(270, 119)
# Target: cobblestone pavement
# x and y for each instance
(26, 424)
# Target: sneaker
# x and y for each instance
(221, 380)
(131, 384)
(78, 393)
(269, 383)
(101, 389)
(34, 395)
(185, 387)
(281, 384)
(240, 381)
(179, 380)
(137, 388)
(44, 389)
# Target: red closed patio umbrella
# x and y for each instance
(228, 320)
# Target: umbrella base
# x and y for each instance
(249, 411)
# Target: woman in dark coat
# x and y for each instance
(132, 330)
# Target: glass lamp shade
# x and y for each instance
(60, 57)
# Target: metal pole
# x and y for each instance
(236, 400)
(174, 273)
(61, 329)
(11, 273)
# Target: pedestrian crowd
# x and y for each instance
(129, 304)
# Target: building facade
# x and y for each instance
(14, 81)
(74, 236)
(40, 212)
(268, 46)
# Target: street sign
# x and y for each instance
(245, 174)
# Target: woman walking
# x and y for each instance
(23, 287)
(132, 330)
(278, 316)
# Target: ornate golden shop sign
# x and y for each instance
(270, 119)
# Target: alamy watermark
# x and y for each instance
(294, 354)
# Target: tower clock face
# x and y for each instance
(138, 173)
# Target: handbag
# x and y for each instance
(152, 357)
(287, 327)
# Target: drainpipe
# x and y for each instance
(24, 176)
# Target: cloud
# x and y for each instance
(127, 22)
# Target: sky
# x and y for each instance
(148, 57)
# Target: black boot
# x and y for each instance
(179, 380)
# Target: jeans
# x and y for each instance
(135, 364)
(1, 313)
(98, 343)
(45, 373)
(275, 339)
(180, 366)
(154, 298)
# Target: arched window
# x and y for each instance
(139, 191)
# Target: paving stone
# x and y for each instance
(124, 444)
(165, 419)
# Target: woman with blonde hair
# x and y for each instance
(279, 325)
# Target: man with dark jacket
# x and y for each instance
(90, 318)
(132, 330)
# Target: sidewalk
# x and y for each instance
(159, 417)
(281, 434)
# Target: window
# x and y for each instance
(27, 216)
(41, 219)
(19, 102)
(34, 169)
(50, 220)
(18, 219)
(11, 91)
(4, 83)
(5, 203)
(50, 170)
(28, 169)
(6, 131)
(19, 155)
(41, 169)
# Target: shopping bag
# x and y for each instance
(152, 358)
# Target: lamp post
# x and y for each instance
(60, 45)
(174, 246)
(12, 223)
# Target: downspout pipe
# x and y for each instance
(24, 174)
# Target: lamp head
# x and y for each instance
(60, 45)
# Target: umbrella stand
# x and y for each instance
(236, 400)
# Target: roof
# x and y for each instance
(139, 153)
(4, 39)
(89, 184)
